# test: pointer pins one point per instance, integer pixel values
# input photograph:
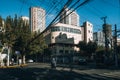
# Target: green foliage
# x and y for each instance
(22, 36)
(91, 47)
(47, 52)
(1, 21)
(99, 48)
(0, 49)
(38, 45)
(9, 35)
(17, 35)
(87, 48)
(82, 45)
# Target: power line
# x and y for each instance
(22, 7)
(63, 13)
(52, 9)
(64, 7)
(75, 8)
(67, 4)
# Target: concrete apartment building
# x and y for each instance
(63, 37)
(64, 34)
(37, 19)
(67, 18)
(25, 19)
(87, 29)
(99, 38)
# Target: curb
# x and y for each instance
(15, 66)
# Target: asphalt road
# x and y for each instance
(41, 71)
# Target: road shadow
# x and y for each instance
(88, 67)
(48, 74)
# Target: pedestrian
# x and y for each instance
(53, 63)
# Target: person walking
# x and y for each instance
(53, 63)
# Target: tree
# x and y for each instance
(9, 35)
(17, 37)
(23, 36)
(37, 46)
(1, 33)
(91, 48)
(82, 45)
(1, 21)
(87, 48)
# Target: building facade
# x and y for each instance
(63, 39)
(25, 19)
(67, 17)
(37, 19)
(87, 30)
(99, 38)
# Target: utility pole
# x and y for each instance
(106, 39)
(115, 47)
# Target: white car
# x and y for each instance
(30, 61)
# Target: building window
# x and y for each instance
(60, 51)
(89, 31)
(52, 37)
(66, 29)
(66, 51)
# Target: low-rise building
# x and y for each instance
(63, 39)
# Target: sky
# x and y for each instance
(92, 11)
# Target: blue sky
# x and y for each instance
(91, 11)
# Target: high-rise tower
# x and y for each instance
(69, 18)
(37, 19)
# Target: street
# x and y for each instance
(42, 71)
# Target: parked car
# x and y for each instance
(82, 61)
(30, 61)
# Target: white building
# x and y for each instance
(25, 19)
(63, 39)
(37, 19)
(72, 18)
(87, 30)
(60, 33)
(99, 38)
